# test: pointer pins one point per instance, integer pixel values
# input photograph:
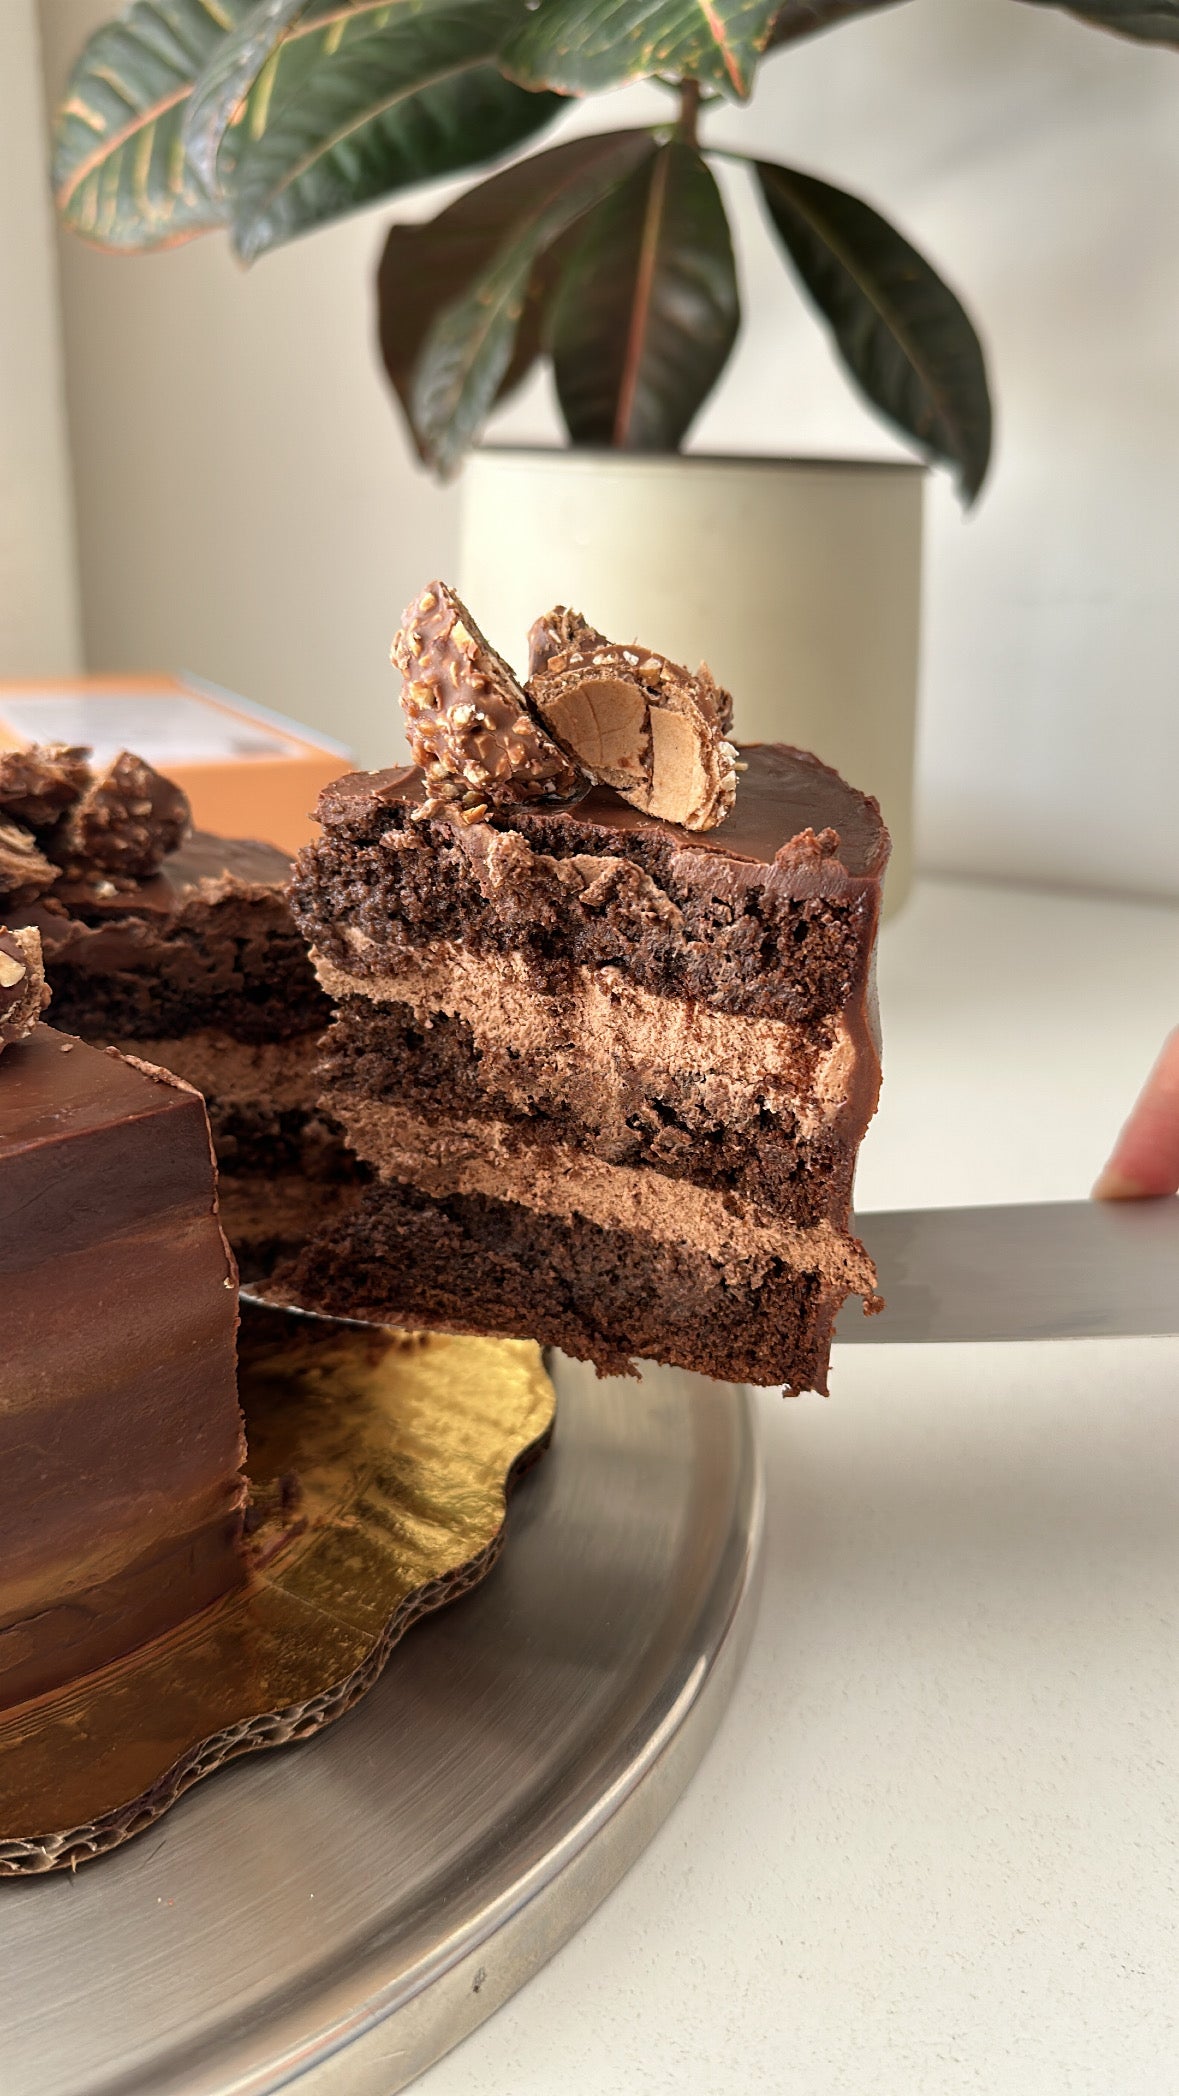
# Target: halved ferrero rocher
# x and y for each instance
(24, 992)
(635, 720)
(468, 721)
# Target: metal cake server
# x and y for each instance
(1050, 1270)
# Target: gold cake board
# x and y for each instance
(342, 1914)
(379, 1463)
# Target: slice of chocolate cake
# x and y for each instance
(184, 953)
(121, 1444)
(612, 1070)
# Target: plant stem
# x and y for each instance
(686, 129)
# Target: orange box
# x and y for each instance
(248, 772)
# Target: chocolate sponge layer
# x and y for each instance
(742, 946)
(668, 1121)
(474, 1264)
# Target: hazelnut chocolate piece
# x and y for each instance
(124, 825)
(24, 869)
(635, 720)
(38, 785)
(24, 992)
(467, 719)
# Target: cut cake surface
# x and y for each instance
(611, 1074)
(200, 969)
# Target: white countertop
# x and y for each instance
(933, 1847)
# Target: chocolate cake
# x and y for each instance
(120, 1437)
(183, 952)
(610, 1068)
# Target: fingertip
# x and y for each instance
(1112, 1185)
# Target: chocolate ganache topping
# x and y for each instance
(593, 713)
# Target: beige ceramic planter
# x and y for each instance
(797, 580)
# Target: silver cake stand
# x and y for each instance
(341, 1913)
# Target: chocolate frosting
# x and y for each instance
(120, 1435)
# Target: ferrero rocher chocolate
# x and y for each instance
(24, 993)
(635, 720)
(467, 719)
(124, 823)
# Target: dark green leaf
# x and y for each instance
(120, 174)
(646, 311)
(797, 18)
(1154, 21)
(583, 46)
(367, 104)
(229, 77)
(904, 337)
(424, 267)
(469, 343)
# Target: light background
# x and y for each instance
(246, 504)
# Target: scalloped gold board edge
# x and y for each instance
(380, 1465)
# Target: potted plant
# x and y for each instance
(609, 255)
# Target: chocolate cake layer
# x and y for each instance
(473, 1263)
(120, 1436)
(696, 1122)
(202, 970)
(687, 914)
(208, 941)
(603, 1032)
(263, 1101)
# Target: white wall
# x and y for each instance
(248, 506)
(38, 595)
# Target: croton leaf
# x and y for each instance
(121, 177)
(369, 102)
(797, 18)
(646, 310)
(228, 78)
(583, 46)
(422, 270)
(903, 335)
(1154, 21)
(469, 343)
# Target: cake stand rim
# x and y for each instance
(577, 1874)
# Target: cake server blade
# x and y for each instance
(1050, 1270)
